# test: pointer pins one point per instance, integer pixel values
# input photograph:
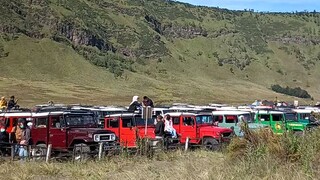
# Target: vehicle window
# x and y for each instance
(264, 117)
(113, 123)
(7, 123)
(188, 121)
(80, 120)
(305, 116)
(127, 122)
(204, 119)
(142, 122)
(41, 122)
(231, 119)
(218, 118)
(277, 117)
(14, 122)
(176, 120)
(57, 122)
(291, 116)
(247, 117)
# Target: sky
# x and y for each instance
(261, 5)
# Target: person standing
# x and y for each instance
(4, 140)
(25, 139)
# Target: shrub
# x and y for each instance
(297, 92)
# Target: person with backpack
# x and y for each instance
(15, 136)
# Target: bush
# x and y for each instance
(297, 92)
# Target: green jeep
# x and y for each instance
(279, 121)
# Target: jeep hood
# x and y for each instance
(256, 125)
(90, 130)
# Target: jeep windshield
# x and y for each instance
(291, 116)
(204, 119)
(80, 120)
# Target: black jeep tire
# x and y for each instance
(211, 144)
(81, 152)
(39, 152)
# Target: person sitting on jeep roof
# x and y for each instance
(12, 103)
(159, 129)
(135, 105)
(3, 103)
(147, 102)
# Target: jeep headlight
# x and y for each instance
(113, 137)
(96, 138)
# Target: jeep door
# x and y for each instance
(112, 124)
(127, 132)
(277, 123)
(39, 131)
(188, 128)
(58, 132)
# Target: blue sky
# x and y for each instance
(261, 5)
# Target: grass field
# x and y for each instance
(44, 70)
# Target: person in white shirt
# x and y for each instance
(168, 126)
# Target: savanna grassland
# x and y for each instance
(260, 155)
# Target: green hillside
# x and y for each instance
(105, 51)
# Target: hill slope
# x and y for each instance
(105, 51)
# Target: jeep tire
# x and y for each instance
(39, 152)
(211, 144)
(81, 152)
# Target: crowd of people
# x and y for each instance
(12, 104)
(20, 135)
(164, 126)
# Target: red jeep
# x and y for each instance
(200, 129)
(68, 130)
(129, 127)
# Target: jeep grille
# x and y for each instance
(226, 134)
(104, 137)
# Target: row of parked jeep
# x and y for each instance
(67, 128)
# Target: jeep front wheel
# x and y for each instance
(81, 152)
(211, 144)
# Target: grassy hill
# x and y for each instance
(103, 52)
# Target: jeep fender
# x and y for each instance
(81, 139)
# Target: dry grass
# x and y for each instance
(175, 165)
